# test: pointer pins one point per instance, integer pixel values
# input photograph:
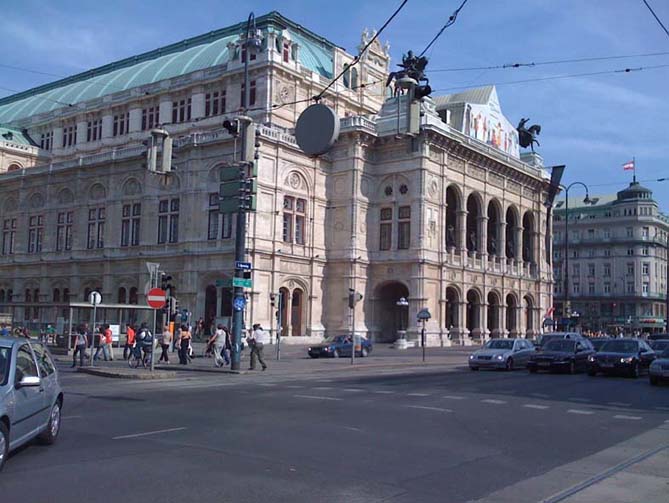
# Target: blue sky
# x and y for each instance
(592, 124)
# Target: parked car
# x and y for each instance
(502, 354)
(31, 398)
(562, 355)
(339, 345)
(598, 342)
(655, 337)
(659, 345)
(659, 368)
(630, 356)
(550, 336)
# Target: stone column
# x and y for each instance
(57, 139)
(483, 320)
(463, 333)
(135, 119)
(503, 329)
(462, 231)
(165, 114)
(107, 126)
(288, 322)
(82, 129)
(518, 232)
(483, 237)
(501, 241)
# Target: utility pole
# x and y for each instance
(247, 129)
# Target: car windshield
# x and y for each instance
(4, 365)
(659, 346)
(335, 339)
(560, 345)
(621, 347)
(598, 343)
(499, 344)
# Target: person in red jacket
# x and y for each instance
(129, 341)
(109, 341)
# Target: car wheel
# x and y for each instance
(509, 364)
(364, 353)
(49, 435)
(313, 356)
(572, 367)
(4, 444)
(634, 371)
(336, 353)
(653, 380)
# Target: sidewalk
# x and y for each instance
(294, 361)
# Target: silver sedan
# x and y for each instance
(659, 368)
(502, 354)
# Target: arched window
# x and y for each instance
(14, 167)
(132, 299)
(2, 296)
(55, 296)
(122, 296)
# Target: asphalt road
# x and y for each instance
(397, 436)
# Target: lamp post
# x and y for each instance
(401, 343)
(565, 307)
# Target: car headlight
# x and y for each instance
(500, 357)
(591, 358)
(629, 359)
(326, 349)
(471, 357)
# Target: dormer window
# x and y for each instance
(286, 52)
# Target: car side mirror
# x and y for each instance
(28, 382)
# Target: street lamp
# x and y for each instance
(401, 343)
(565, 307)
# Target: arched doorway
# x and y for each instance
(511, 226)
(210, 303)
(474, 313)
(529, 315)
(452, 320)
(528, 238)
(473, 217)
(296, 312)
(511, 308)
(389, 318)
(283, 294)
(493, 314)
(493, 228)
(453, 206)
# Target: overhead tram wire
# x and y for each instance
(551, 62)
(557, 77)
(656, 18)
(451, 21)
(38, 97)
(356, 59)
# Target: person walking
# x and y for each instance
(129, 341)
(109, 342)
(228, 346)
(102, 345)
(184, 342)
(218, 343)
(80, 344)
(257, 341)
(165, 340)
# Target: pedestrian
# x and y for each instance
(80, 344)
(218, 343)
(4, 331)
(165, 340)
(184, 341)
(51, 334)
(228, 346)
(129, 341)
(257, 340)
(109, 342)
(144, 340)
(102, 345)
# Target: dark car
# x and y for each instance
(562, 355)
(598, 342)
(551, 336)
(655, 337)
(629, 356)
(659, 369)
(659, 345)
(340, 345)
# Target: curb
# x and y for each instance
(176, 370)
(125, 375)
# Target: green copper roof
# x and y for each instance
(14, 136)
(204, 51)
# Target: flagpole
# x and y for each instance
(634, 170)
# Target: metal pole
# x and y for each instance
(69, 332)
(240, 234)
(93, 332)
(278, 329)
(353, 332)
(422, 339)
(153, 341)
(566, 256)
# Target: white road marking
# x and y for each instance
(493, 401)
(311, 397)
(535, 406)
(135, 435)
(438, 409)
(352, 428)
(383, 392)
(631, 418)
(579, 411)
(71, 417)
(662, 408)
(294, 386)
(619, 404)
(453, 397)
(353, 389)
(418, 394)
(321, 387)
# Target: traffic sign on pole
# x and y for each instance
(242, 282)
(244, 266)
(156, 298)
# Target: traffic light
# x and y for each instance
(353, 298)
(232, 126)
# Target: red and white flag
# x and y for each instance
(628, 166)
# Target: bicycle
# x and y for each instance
(136, 358)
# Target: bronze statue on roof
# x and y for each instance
(412, 67)
(527, 137)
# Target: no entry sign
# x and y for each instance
(156, 298)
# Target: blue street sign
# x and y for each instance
(243, 266)
(238, 303)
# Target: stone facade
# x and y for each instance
(440, 218)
